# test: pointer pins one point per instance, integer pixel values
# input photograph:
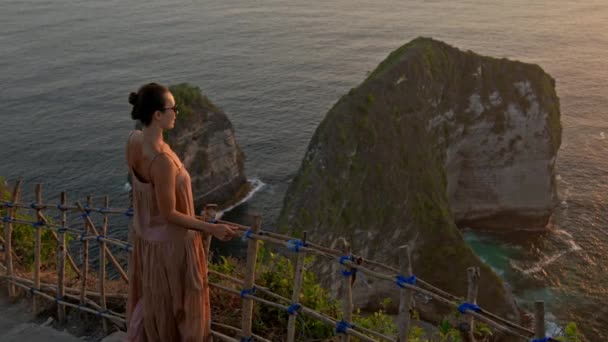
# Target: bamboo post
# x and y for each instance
(37, 243)
(297, 287)
(61, 254)
(405, 297)
(539, 320)
(102, 263)
(252, 254)
(347, 301)
(210, 212)
(473, 275)
(85, 257)
(8, 238)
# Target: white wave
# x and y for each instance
(539, 266)
(127, 187)
(563, 232)
(602, 136)
(256, 184)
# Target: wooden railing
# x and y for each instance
(95, 302)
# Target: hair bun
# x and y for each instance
(133, 98)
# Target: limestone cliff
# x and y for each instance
(204, 140)
(432, 136)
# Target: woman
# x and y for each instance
(168, 290)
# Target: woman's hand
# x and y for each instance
(224, 232)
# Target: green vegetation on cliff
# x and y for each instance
(374, 170)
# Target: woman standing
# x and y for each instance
(168, 289)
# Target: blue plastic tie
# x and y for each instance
(401, 281)
(102, 210)
(100, 313)
(294, 308)
(294, 245)
(6, 219)
(81, 237)
(60, 207)
(98, 238)
(349, 273)
(462, 308)
(250, 291)
(62, 230)
(346, 258)
(37, 224)
(32, 289)
(247, 339)
(9, 204)
(129, 212)
(128, 248)
(247, 234)
(544, 339)
(342, 325)
(33, 205)
(57, 299)
(84, 215)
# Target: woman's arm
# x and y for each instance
(163, 172)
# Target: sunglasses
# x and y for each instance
(174, 108)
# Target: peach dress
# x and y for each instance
(168, 288)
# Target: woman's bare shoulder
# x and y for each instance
(135, 136)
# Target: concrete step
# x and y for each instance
(31, 332)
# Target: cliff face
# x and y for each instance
(204, 139)
(433, 136)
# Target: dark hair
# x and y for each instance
(148, 99)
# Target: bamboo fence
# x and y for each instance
(96, 302)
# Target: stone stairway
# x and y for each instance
(16, 326)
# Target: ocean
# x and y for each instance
(276, 68)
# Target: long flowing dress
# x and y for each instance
(168, 288)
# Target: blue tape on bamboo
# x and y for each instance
(129, 212)
(346, 258)
(342, 325)
(544, 339)
(101, 313)
(33, 205)
(9, 204)
(62, 230)
(349, 273)
(247, 339)
(250, 291)
(37, 224)
(462, 308)
(81, 237)
(84, 215)
(6, 219)
(247, 235)
(294, 245)
(294, 308)
(401, 280)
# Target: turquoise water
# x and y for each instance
(276, 67)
